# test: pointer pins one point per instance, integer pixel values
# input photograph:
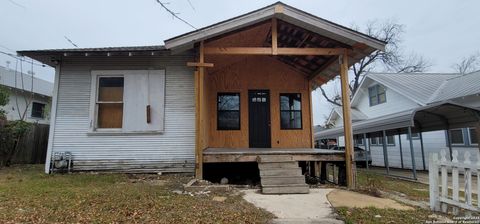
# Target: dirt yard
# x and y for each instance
(29, 195)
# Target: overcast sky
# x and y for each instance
(442, 31)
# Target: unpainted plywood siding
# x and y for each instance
(171, 151)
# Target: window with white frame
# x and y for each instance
(373, 141)
(390, 140)
(377, 95)
(128, 100)
(457, 137)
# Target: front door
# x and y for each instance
(259, 118)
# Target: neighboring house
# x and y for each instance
(148, 109)
(384, 94)
(22, 94)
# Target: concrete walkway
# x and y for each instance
(296, 208)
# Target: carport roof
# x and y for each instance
(437, 116)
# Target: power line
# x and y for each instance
(174, 14)
(191, 5)
(68, 39)
(20, 58)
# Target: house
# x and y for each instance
(386, 95)
(235, 91)
(27, 95)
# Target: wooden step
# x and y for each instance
(275, 165)
(281, 172)
(278, 180)
(286, 189)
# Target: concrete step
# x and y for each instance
(276, 165)
(280, 180)
(281, 172)
(286, 189)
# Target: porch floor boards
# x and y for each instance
(218, 155)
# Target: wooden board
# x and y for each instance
(258, 72)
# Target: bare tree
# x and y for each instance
(468, 64)
(390, 60)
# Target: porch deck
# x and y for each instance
(225, 155)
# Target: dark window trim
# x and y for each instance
(301, 113)
(239, 111)
(375, 87)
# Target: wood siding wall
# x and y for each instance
(258, 72)
(172, 151)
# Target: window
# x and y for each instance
(377, 95)
(38, 110)
(110, 102)
(415, 135)
(359, 139)
(373, 141)
(127, 101)
(390, 140)
(228, 111)
(473, 136)
(456, 136)
(380, 140)
(290, 111)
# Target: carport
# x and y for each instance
(443, 115)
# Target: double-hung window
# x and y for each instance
(109, 102)
(377, 95)
(456, 136)
(290, 111)
(473, 136)
(228, 111)
(127, 101)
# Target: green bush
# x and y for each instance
(10, 136)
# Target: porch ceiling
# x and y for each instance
(320, 67)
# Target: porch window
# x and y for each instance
(228, 111)
(290, 111)
(377, 95)
(373, 141)
(38, 110)
(110, 102)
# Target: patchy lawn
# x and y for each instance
(372, 183)
(375, 215)
(29, 195)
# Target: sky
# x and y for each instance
(442, 31)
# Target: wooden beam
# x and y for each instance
(322, 68)
(268, 51)
(199, 64)
(310, 105)
(199, 76)
(347, 122)
(230, 158)
(274, 37)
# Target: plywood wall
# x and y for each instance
(257, 72)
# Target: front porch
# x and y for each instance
(227, 155)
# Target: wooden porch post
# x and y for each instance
(199, 76)
(347, 122)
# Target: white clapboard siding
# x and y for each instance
(433, 142)
(171, 151)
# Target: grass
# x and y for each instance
(28, 195)
(371, 183)
(376, 216)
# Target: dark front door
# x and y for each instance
(259, 118)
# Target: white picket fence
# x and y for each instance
(440, 197)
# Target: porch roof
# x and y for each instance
(438, 116)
